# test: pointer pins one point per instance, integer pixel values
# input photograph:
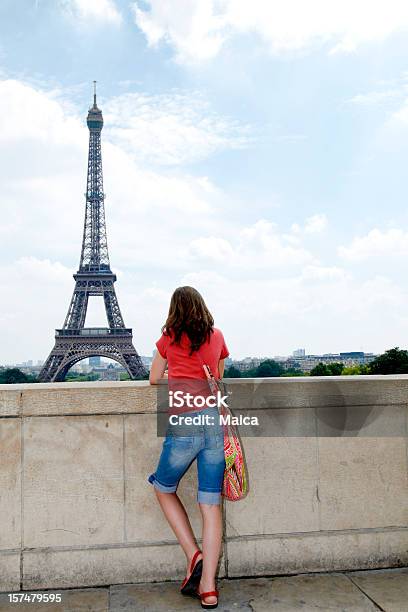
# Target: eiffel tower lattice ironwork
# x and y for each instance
(74, 342)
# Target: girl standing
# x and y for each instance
(189, 339)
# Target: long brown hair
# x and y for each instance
(188, 313)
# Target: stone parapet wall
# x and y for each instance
(76, 508)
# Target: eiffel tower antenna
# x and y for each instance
(74, 342)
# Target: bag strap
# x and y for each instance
(215, 384)
(212, 381)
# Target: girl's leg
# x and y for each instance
(177, 455)
(178, 520)
(211, 467)
(212, 539)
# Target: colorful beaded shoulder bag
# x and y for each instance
(235, 485)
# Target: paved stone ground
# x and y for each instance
(385, 590)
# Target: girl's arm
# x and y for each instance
(221, 367)
(158, 369)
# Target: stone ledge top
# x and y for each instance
(130, 397)
(56, 386)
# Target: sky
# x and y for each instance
(255, 150)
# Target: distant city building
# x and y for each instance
(308, 362)
(110, 373)
(248, 363)
(299, 352)
(353, 355)
(82, 367)
(27, 369)
(304, 362)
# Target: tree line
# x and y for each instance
(393, 361)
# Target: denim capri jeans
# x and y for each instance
(185, 443)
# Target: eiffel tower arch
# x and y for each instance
(74, 341)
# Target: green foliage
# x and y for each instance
(355, 370)
(232, 372)
(329, 369)
(335, 369)
(293, 372)
(251, 373)
(319, 370)
(268, 368)
(76, 377)
(393, 361)
(12, 376)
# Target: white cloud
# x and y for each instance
(375, 98)
(400, 116)
(35, 295)
(191, 25)
(176, 128)
(259, 247)
(322, 273)
(199, 28)
(212, 248)
(391, 96)
(28, 114)
(377, 243)
(39, 270)
(312, 225)
(316, 224)
(263, 241)
(94, 10)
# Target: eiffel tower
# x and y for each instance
(75, 342)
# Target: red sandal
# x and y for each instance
(190, 583)
(208, 606)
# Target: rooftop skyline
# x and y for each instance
(266, 169)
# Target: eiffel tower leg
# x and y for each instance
(134, 365)
(113, 313)
(77, 309)
(50, 367)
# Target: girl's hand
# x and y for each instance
(158, 369)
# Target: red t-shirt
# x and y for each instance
(183, 365)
